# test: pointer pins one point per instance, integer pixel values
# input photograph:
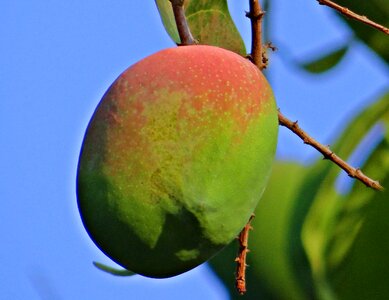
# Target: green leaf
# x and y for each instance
(210, 23)
(357, 253)
(326, 62)
(167, 17)
(377, 11)
(113, 271)
(332, 223)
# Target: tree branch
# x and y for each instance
(327, 153)
(240, 280)
(182, 25)
(348, 13)
(257, 51)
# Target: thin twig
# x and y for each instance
(182, 24)
(348, 13)
(241, 259)
(328, 153)
(255, 15)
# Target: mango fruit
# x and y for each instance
(175, 158)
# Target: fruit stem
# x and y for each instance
(257, 50)
(182, 24)
(243, 238)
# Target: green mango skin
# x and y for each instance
(175, 158)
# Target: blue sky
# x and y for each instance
(57, 58)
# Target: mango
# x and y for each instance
(175, 158)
